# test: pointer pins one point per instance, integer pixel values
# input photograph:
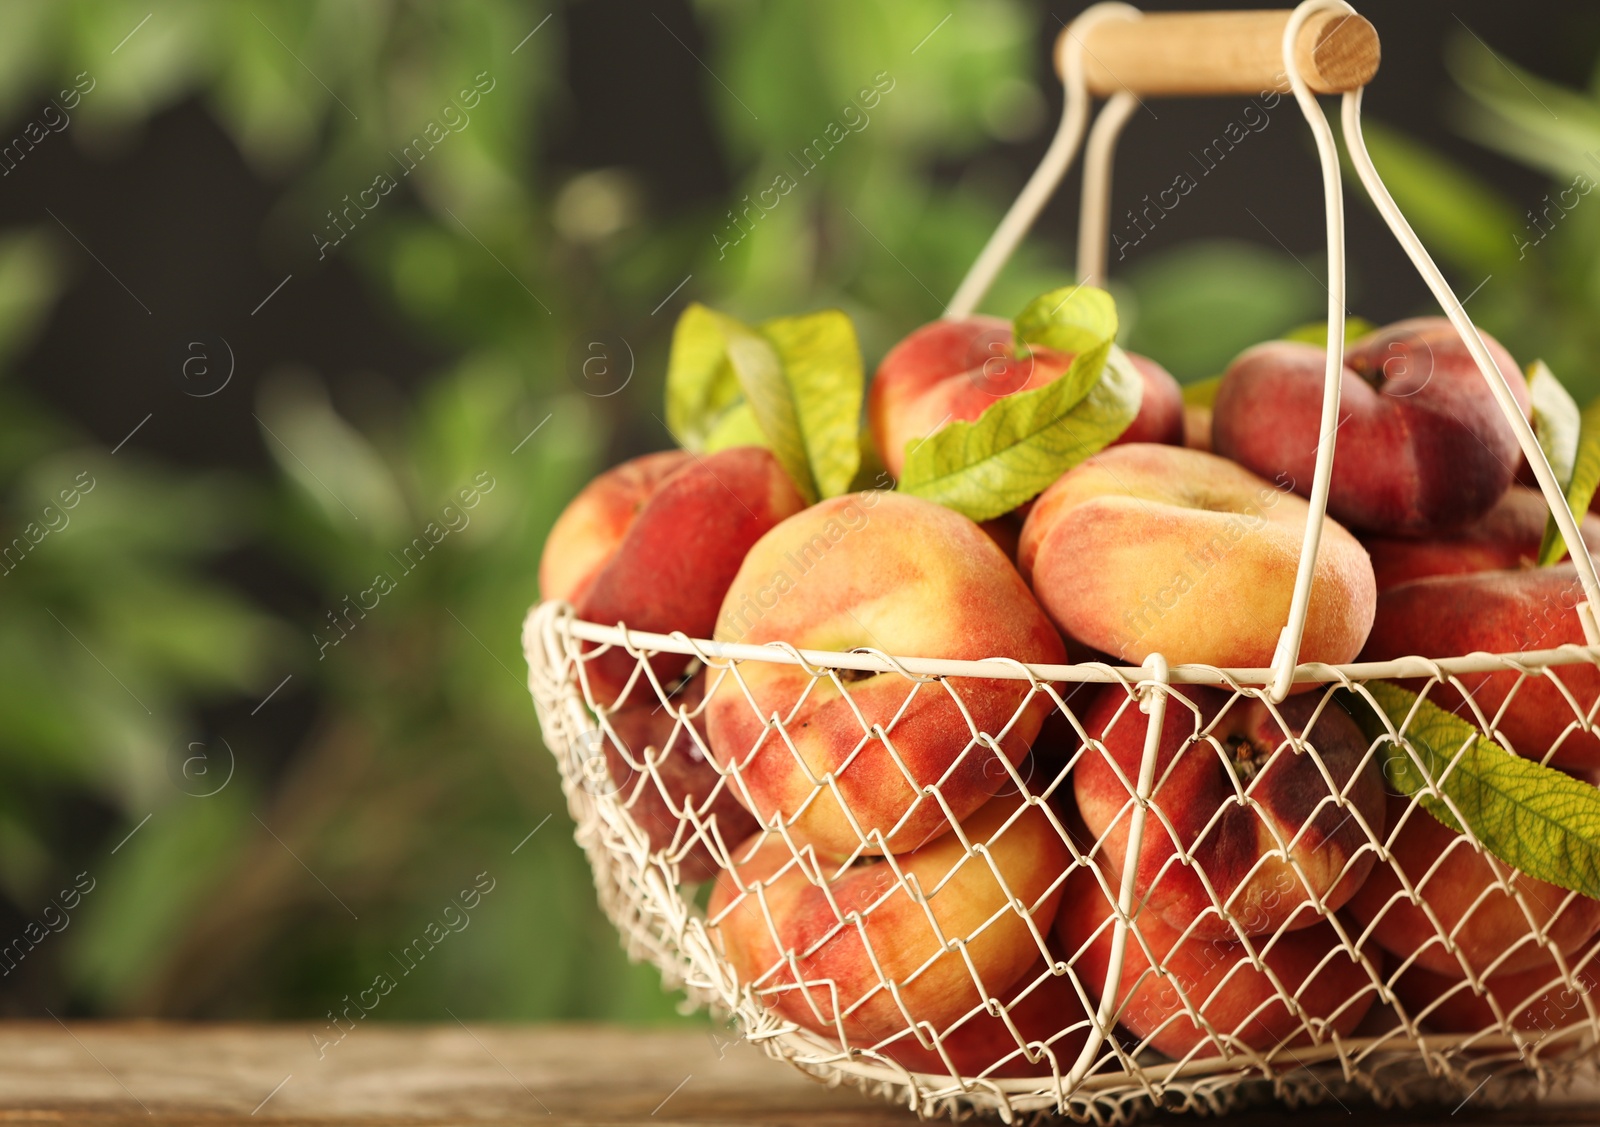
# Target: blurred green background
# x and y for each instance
(279, 280)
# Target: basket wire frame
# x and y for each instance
(1087, 1069)
(1368, 1043)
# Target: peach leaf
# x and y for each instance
(1022, 443)
(1532, 817)
(701, 385)
(1571, 441)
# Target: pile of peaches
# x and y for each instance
(927, 869)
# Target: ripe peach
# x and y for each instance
(1293, 844)
(1541, 999)
(1423, 446)
(1161, 416)
(821, 946)
(1508, 536)
(1211, 996)
(1493, 916)
(587, 533)
(674, 563)
(903, 576)
(1045, 1009)
(658, 763)
(953, 370)
(1144, 549)
(1499, 612)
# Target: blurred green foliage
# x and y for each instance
(284, 891)
(1533, 274)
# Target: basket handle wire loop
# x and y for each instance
(1554, 496)
(1287, 655)
(1094, 209)
(1093, 230)
(1057, 160)
(638, 884)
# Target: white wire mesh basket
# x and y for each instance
(1297, 934)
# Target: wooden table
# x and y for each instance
(107, 1075)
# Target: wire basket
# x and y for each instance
(1017, 965)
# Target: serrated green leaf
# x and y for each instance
(1533, 818)
(1022, 443)
(1316, 332)
(701, 385)
(759, 368)
(736, 427)
(1071, 319)
(1556, 420)
(822, 387)
(1581, 487)
(794, 385)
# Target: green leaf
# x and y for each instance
(1071, 319)
(1316, 332)
(1456, 214)
(1581, 487)
(794, 385)
(1022, 443)
(736, 427)
(338, 468)
(759, 368)
(1556, 420)
(701, 385)
(823, 386)
(30, 281)
(1530, 119)
(1533, 818)
(1202, 393)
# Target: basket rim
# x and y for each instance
(670, 935)
(559, 617)
(1396, 1043)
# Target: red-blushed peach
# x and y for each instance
(1160, 417)
(1507, 537)
(678, 557)
(954, 370)
(1048, 1016)
(822, 945)
(1210, 996)
(1058, 747)
(1147, 549)
(1497, 919)
(1540, 1000)
(945, 371)
(589, 530)
(858, 759)
(658, 763)
(1274, 833)
(1499, 612)
(1422, 443)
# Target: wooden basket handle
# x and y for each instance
(1167, 54)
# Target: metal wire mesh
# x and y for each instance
(1292, 932)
